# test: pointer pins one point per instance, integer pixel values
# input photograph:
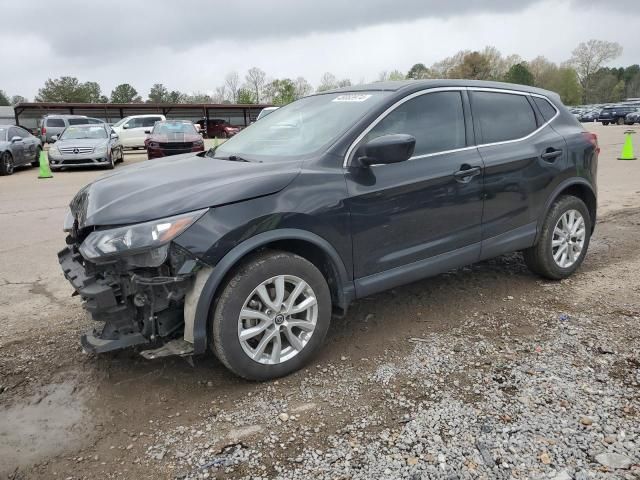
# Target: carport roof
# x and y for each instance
(150, 106)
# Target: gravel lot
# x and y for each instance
(485, 372)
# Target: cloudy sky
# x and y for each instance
(190, 45)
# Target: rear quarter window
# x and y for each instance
(503, 116)
(546, 109)
(55, 122)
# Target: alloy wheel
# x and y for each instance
(568, 238)
(7, 160)
(277, 319)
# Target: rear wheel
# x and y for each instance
(36, 161)
(6, 164)
(564, 240)
(271, 316)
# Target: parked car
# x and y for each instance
(173, 137)
(17, 147)
(251, 247)
(131, 130)
(86, 146)
(266, 111)
(632, 118)
(52, 125)
(219, 128)
(590, 116)
(615, 114)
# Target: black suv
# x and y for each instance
(615, 114)
(249, 248)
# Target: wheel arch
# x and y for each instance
(301, 242)
(577, 187)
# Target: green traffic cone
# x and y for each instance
(627, 149)
(45, 171)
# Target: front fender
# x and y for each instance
(213, 282)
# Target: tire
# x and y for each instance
(540, 257)
(605, 123)
(36, 161)
(6, 164)
(240, 293)
(111, 165)
(620, 121)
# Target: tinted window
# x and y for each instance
(436, 120)
(55, 122)
(149, 121)
(13, 132)
(94, 121)
(503, 116)
(547, 110)
(22, 132)
(77, 121)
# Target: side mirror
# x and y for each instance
(125, 126)
(114, 135)
(148, 132)
(16, 139)
(386, 149)
(54, 138)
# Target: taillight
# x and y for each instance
(44, 130)
(592, 138)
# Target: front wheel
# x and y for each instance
(605, 123)
(563, 242)
(271, 316)
(6, 164)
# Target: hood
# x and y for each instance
(81, 142)
(175, 137)
(178, 184)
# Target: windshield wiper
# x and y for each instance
(236, 158)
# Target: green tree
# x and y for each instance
(70, 89)
(282, 91)
(245, 96)
(564, 81)
(176, 96)
(519, 73)
(418, 72)
(474, 66)
(125, 93)
(198, 97)
(4, 99)
(158, 94)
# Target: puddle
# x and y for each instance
(44, 425)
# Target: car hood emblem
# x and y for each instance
(75, 150)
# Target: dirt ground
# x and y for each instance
(66, 414)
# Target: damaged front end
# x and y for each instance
(133, 280)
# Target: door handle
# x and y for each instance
(466, 173)
(551, 154)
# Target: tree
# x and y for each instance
(158, 94)
(282, 91)
(587, 59)
(418, 72)
(4, 99)
(519, 73)
(69, 89)
(16, 99)
(125, 93)
(175, 96)
(328, 81)
(302, 87)
(390, 76)
(564, 81)
(474, 66)
(220, 95)
(198, 97)
(255, 79)
(232, 82)
(245, 96)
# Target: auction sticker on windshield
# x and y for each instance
(352, 97)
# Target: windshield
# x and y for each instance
(117, 124)
(300, 128)
(83, 132)
(169, 128)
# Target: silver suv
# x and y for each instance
(51, 125)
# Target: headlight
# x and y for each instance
(102, 149)
(133, 239)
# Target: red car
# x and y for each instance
(173, 137)
(219, 128)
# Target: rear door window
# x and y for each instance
(502, 116)
(436, 120)
(546, 109)
(150, 121)
(55, 122)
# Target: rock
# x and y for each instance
(412, 461)
(544, 458)
(283, 417)
(613, 460)
(586, 421)
(610, 439)
(605, 350)
(562, 475)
